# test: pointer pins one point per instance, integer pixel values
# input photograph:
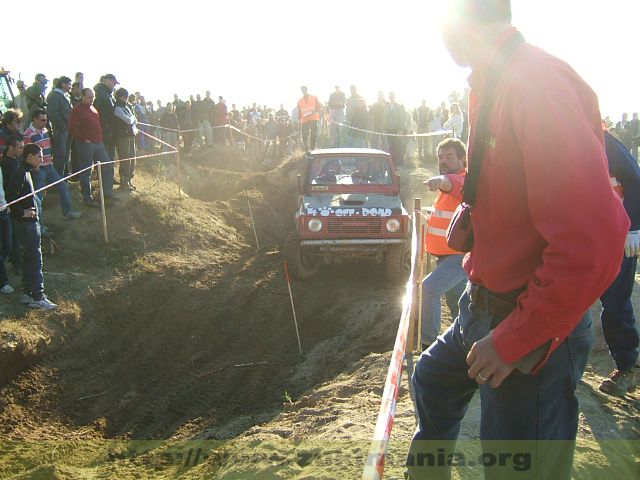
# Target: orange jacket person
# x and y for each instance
(309, 115)
(448, 278)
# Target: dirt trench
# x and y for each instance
(190, 333)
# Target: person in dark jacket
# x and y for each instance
(105, 103)
(58, 111)
(618, 320)
(9, 163)
(35, 94)
(125, 130)
(24, 214)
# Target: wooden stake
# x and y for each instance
(253, 224)
(102, 207)
(293, 308)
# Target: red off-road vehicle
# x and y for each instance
(349, 208)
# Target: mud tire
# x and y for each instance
(300, 267)
(397, 263)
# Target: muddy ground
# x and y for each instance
(174, 355)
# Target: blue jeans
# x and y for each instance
(61, 150)
(88, 154)
(448, 279)
(6, 233)
(47, 174)
(618, 321)
(534, 407)
(28, 234)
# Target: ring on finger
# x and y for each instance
(480, 377)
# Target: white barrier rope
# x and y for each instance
(46, 187)
(428, 134)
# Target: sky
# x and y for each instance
(257, 51)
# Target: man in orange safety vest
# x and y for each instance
(309, 115)
(448, 278)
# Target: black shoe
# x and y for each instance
(91, 203)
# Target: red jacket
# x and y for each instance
(84, 124)
(546, 217)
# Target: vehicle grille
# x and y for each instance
(354, 226)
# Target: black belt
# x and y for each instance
(497, 303)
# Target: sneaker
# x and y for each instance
(44, 304)
(26, 299)
(621, 382)
(72, 215)
(7, 289)
(91, 203)
(131, 186)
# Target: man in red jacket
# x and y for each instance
(523, 335)
(85, 128)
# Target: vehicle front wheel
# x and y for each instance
(301, 266)
(397, 263)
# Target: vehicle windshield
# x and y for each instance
(355, 170)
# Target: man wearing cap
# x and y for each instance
(35, 95)
(522, 338)
(336, 115)
(309, 116)
(59, 109)
(21, 98)
(105, 103)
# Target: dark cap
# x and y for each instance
(41, 77)
(111, 76)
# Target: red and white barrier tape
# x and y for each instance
(374, 467)
(429, 134)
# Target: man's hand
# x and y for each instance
(632, 246)
(485, 363)
(30, 213)
(440, 182)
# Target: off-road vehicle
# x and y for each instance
(349, 209)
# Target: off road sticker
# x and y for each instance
(349, 212)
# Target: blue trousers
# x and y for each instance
(88, 154)
(6, 233)
(47, 174)
(449, 279)
(28, 234)
(534, 407)
(61, 150)
(618, 321)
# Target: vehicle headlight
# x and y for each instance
(315, 224)
(393, 225)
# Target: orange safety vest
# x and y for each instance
(309, 109)
(436, 231)
(617, 186)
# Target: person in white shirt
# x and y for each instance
(455, 123)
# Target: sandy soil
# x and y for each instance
(174, 354)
